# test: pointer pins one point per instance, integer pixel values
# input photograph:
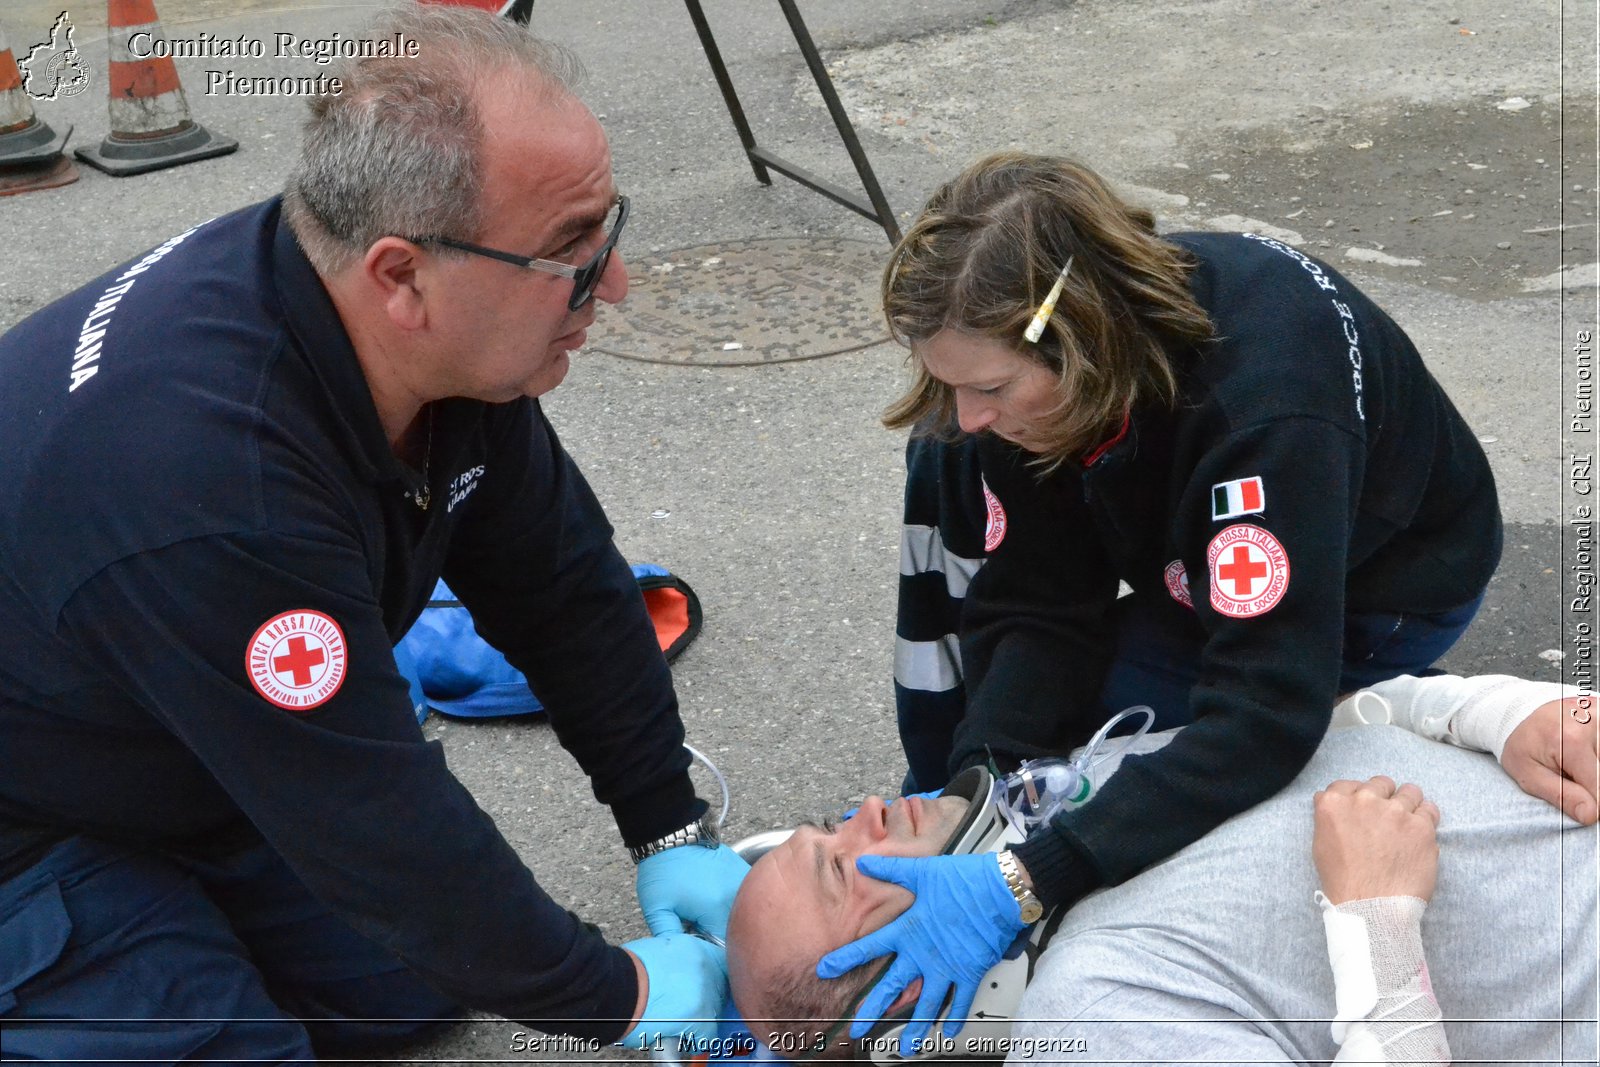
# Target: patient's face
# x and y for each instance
(805, 898)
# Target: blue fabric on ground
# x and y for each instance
(458, 673)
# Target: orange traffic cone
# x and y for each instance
(150, 123)
(494, 7)
(30, 151)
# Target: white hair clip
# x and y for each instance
(1041, 318)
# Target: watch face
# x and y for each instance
(1031, 911)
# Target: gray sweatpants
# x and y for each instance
(1217, 955)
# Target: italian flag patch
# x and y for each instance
(1229, 500)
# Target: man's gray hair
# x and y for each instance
(399, 150)
(804, 1008)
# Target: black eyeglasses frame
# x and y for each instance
(585, 279)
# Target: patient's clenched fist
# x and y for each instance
(1373, 840)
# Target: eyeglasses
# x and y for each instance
(584, 279)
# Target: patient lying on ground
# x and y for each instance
(805, 898)
(1225, 939)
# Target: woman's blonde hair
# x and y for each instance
(984, 254)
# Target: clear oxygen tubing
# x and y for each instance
(1029, 796)
(670, 1054)
(722, 783)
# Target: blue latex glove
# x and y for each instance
(847, 816)
(690, 885)
(688, 979)
(961, 923)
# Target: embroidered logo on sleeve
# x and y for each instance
(1249, 571)
(297, 659)
(1177, 579)
(994, 526)
(1229, 500)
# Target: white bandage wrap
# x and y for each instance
(1478, 713)
(1384, 1003)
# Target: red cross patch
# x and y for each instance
(994, 527)
(1177, 579)
(297, 659)
(1249, 571)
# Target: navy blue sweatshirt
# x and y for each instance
(207, 551)
(1310, 467)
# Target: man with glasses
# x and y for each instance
(233, 472)
(584, 278)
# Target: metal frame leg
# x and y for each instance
(875, 207)
(522, 10)
(882, 213)
(719, 71)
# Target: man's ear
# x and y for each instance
(391, 268)
(907, 998)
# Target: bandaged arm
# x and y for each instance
(1477, 713)
(1386, 1010)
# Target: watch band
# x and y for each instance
(1027, 903)
(699, 832)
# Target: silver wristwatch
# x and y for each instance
(1027, 903)
(699, 832)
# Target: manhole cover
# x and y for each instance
(747, 303)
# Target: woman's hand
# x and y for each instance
(961, 922)
(1373, 840)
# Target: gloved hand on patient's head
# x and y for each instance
(690, 885)
(960, 924)
(688, 985)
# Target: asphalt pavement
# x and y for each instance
(1442, 155)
